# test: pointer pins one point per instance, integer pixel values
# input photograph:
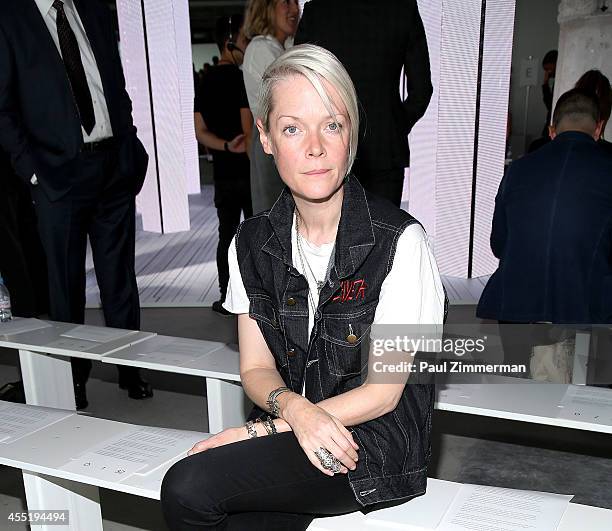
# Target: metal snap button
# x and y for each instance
(351, 338)
(291, 301)
(291, 352)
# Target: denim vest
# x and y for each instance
(394, 449)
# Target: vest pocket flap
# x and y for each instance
(348, 330)
(263, 310)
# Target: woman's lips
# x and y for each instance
(316, 172)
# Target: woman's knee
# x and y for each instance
(190, 485)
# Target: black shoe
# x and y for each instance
(138, 389)
(80, 395)
(218, 307)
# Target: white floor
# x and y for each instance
(180, 270)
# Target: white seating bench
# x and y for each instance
(61, 472)
(48, 378)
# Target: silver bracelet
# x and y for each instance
(269, 425)
(272, 401)
(250, 428)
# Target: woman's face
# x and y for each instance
(286, 18)
(310, 147)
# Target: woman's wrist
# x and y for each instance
(287, 403)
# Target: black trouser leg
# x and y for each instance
(266, 483)
(112, 238)
(62, 226)
(101, 204)
(231, 199)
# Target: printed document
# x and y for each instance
(482, 508)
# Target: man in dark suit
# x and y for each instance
(66, 122)
(552, 226)
(374, 40)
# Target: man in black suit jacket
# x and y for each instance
(552, 226)
(66, 122)
(374, 40)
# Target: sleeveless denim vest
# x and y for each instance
(394, 449)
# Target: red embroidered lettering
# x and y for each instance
(351, 290)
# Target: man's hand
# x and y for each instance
(227, 436)
(238, 144)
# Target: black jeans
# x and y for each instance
(232, 198)
(100, 204)
(262, 484)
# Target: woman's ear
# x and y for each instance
(264, 138)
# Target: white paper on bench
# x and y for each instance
(142, 449)
(20, 420)
(176, 352)
(18, 326)
(588, 404)
(99, 334)
(478, 507)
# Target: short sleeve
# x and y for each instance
(412, 293)
(236, 299)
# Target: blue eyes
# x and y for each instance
(333, 127)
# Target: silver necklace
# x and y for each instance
(306, 264)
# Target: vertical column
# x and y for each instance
(182, 34)
(461, 22)
(492, 123)
(166, 106)
(135, 68)
(155, 59)
(420, 184)
(458, 147)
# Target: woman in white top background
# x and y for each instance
(271, 25)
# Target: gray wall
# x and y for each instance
(535, 32)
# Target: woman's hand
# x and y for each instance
(315, 428)
(227, 436)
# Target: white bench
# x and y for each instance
(50, 485)
(43, 353)
(48, 378)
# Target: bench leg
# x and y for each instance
(228, 405)
(581, 358)
(44, 493)
(47, 380)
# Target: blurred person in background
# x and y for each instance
(224, 124)
(374, 41)
(270, 25)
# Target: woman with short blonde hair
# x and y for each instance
(329, 433)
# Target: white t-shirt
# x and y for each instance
(412, 292)
(259, 55)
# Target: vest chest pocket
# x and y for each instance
(346, 340)
(263, 311)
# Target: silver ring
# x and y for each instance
(328, 460)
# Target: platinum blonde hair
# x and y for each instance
(315, 64)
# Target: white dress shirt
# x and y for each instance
(102, 129)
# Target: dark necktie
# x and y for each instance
(74, 68)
